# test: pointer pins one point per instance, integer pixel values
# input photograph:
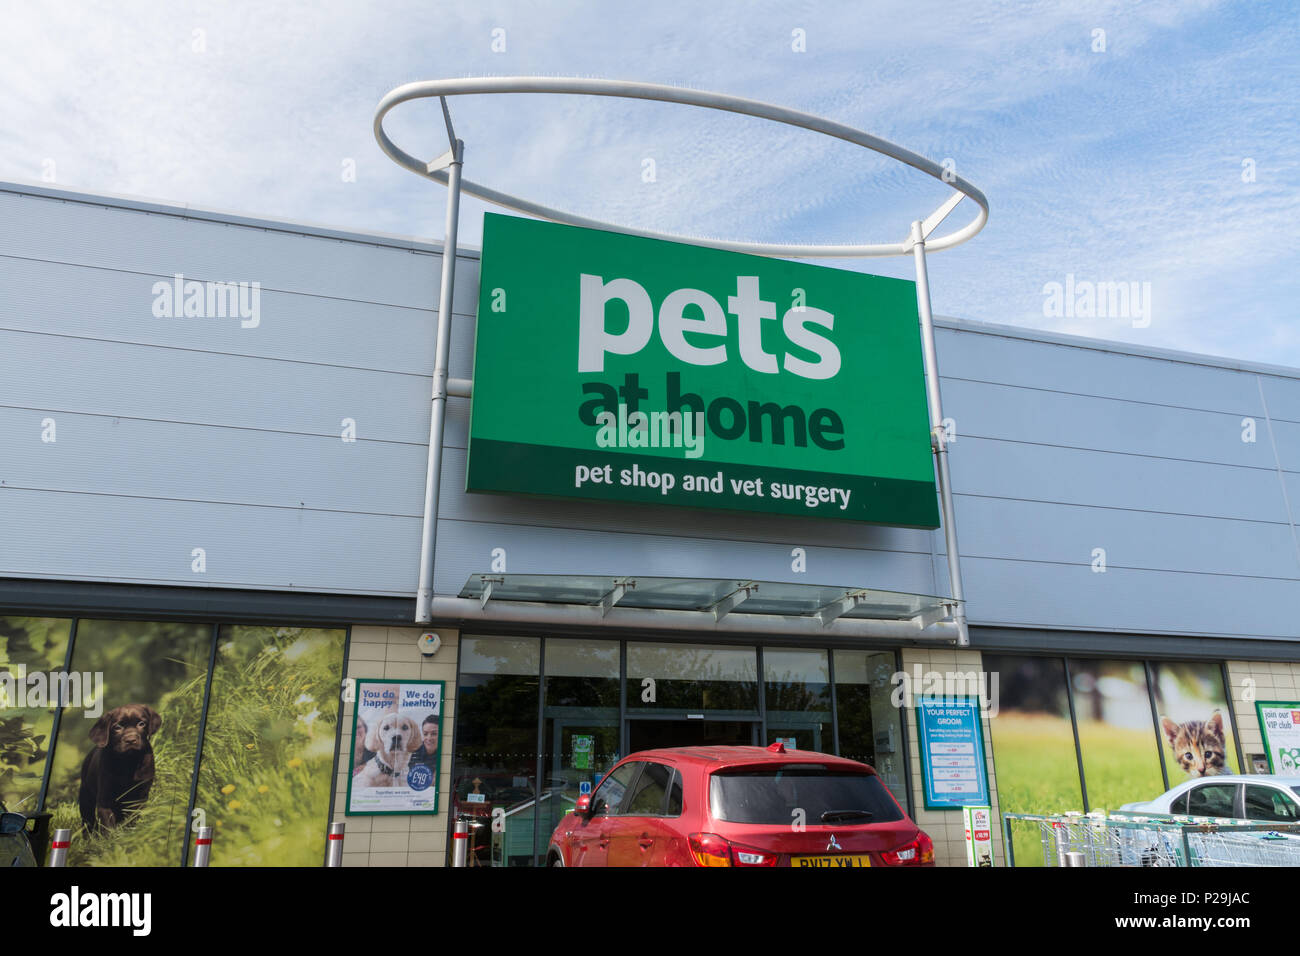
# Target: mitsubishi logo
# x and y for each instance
(833, 845)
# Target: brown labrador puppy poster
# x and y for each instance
(117, 774)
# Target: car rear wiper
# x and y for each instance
(843, 816)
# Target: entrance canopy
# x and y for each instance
(721, 604)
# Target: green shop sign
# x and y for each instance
(614, 367)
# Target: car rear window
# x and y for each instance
(772, 795)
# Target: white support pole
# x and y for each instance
(438, 416)
(938, 439)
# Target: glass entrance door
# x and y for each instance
(653, 734)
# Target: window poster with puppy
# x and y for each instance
(396, 747)
(140, 704)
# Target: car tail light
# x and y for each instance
(709, 849)
(749, 856)
(917, 853)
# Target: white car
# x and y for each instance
(1259, 797)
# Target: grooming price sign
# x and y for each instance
(621, 368)
(952, 753)
(396, 747)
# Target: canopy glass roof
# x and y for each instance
(721, 596)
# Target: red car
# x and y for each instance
(739, 806)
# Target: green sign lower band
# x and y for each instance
(616, 367)
(618, 476)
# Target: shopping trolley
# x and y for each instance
(1129, 839)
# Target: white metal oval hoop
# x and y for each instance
(688, 97)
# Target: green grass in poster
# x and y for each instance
(265, 780)
(1120, 764)
(268, 750)
(39, 645)
(153, 836)
(1036, 773)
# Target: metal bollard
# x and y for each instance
(203, 846)
(1060, 844)
(460, 844)
(59, 848)
(1074, 858)
(335, 855)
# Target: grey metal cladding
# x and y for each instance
(1104, 370)
(182, 433)
(1282, 395)
(209, 388)
(145, 243)
(1155, 602)
(76, 301)
(1016, 530)
(1044, 416)
(1286, 436)
(1100, 479)
(96, 537)
(136, 457)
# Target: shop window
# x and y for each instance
(1121, 756)
(580, 725)
(268, 745)
(146, 721)
(134, 713)
(31, 650)
(1033, 745)
(870, 726)
(500, 655)
(495, 763)
(797, 692)
(1181, 711)
(672, 678)
(1196, 735)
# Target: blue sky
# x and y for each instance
(1167, 154)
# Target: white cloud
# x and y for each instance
(1114, 166)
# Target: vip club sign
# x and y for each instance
(615, 367)
(1279, 723)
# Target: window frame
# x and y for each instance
(663, 803)
(638, 766)
(1237, 808)
(1275, 792)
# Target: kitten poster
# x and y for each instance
(1196, 736)
(1136, 722)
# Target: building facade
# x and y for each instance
(215, 432)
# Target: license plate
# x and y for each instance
(862, 860)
